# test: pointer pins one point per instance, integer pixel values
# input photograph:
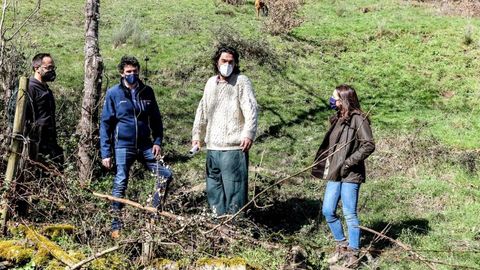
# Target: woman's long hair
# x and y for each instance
(349, 103)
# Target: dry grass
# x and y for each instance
(468, 8)
(408, 154)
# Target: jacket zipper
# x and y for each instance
(135, 116)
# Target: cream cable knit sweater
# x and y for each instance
(226, 114)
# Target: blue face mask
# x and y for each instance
(333, 104)
(131, 78)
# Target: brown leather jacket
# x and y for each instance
(353, 144)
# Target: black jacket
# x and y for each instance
(352, 144)
(40, 114)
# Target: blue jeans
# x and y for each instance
(348, 193)
(124, 159)
(227, 180)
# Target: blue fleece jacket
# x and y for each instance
(125, 124)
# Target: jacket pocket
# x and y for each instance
(345, 170)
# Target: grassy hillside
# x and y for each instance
(415, 72)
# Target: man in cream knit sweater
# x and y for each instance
(227, 119)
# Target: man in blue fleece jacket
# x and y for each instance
(130, 120)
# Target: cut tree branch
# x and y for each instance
(137, 205)
(222, 229)
(93, 257)
(402, 245)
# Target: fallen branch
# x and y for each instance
(93, 257)
(402, 245)
(43, 243)
(222, 229)
(153, 210)
(137, 205)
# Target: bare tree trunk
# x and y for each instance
(88, 125)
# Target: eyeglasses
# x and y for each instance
(49, 68)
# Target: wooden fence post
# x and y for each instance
(15, 153)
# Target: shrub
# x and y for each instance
(341, 11)
(13, 65)
(255, 49)
(130, 29)
(282, 16)
(468, 35)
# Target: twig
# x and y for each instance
(402, 245)
(2, 20)
(374, 240)
(93, 257)
(35, 10)
(255, 183)
(51, 169)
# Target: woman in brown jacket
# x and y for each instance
(340, 160)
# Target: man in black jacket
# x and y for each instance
(40, 117)
(40, 130)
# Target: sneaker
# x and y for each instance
(339, 254)
(115, 234)
(352, 260)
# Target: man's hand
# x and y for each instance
(246, 144)
(156, 150)
(107, 163)
(196, 143)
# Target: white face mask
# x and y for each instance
(225, 69)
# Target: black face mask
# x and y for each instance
(49, 76)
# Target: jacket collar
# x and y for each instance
(140, 86)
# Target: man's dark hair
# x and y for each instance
(37, 59)
(128, 60)
(222, 48)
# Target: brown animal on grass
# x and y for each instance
(260, 5)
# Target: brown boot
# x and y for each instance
(339, 254)
(115, 234)
(352, 260)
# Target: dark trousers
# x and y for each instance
(46, 161)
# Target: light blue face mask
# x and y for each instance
(333, 103)
(131, 78)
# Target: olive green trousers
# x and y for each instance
(227, 180)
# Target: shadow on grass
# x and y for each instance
(287, 216)
(304, 117)
(410, 227)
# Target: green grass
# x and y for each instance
(409, 64)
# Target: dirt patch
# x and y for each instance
(467, 8)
